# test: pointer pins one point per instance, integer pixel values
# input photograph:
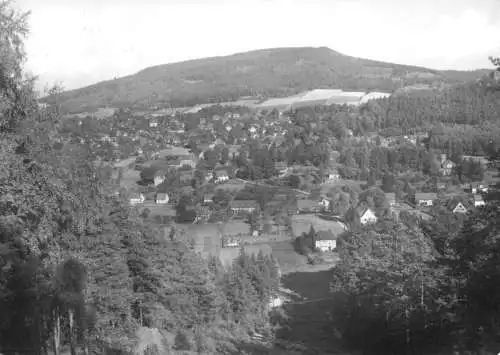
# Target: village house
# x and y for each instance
(159, 178)
(187, 162)
(221, 176)
(208, 198)
(457, 207)
(425, 199)
(161, 198)
(137, 198)
(366, 215)
(331, 175)
(478, 188)
(325, 203)
(153, 123)
(280, 167)
(208, 176)
(478, 201)
(242, 207)
(325, 241)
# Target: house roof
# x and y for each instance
(136, 195)
(243, 204)
(161, 196)
(221, 173)
(425, 196)
(452, 203)
(361, 209)
(325, 235)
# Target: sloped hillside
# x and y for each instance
(262, 73)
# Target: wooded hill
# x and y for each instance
(262, 73)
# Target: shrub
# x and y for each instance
(183, 341)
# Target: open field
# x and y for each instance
(318, 223)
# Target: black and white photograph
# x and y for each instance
(249, 177)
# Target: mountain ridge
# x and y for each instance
(262, 73)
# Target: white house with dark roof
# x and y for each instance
(478, 201)
(161, 198)
(221, 176)
(366, 215)
(325, 240)
(137, 198)
(425, 199)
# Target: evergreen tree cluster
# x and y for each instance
(79, 269)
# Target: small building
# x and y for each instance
(280, 167)
(459, 208)
(221, 176)
(425, 199)
(325, 203)
(478, 201)
(366, 215)
(153, 123)
(239, 207)
(187, 162)
(208, 198)
(159, 178)
(325, 240)
(332, 175)
(137, 198)
(161, 198)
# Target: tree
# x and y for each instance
(376, 302)
(70, 283)
(294, 181)
(388, 183)
(495, 61)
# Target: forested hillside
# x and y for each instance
(79, 270)
(262, 73)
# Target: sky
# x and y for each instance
(76, 43)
